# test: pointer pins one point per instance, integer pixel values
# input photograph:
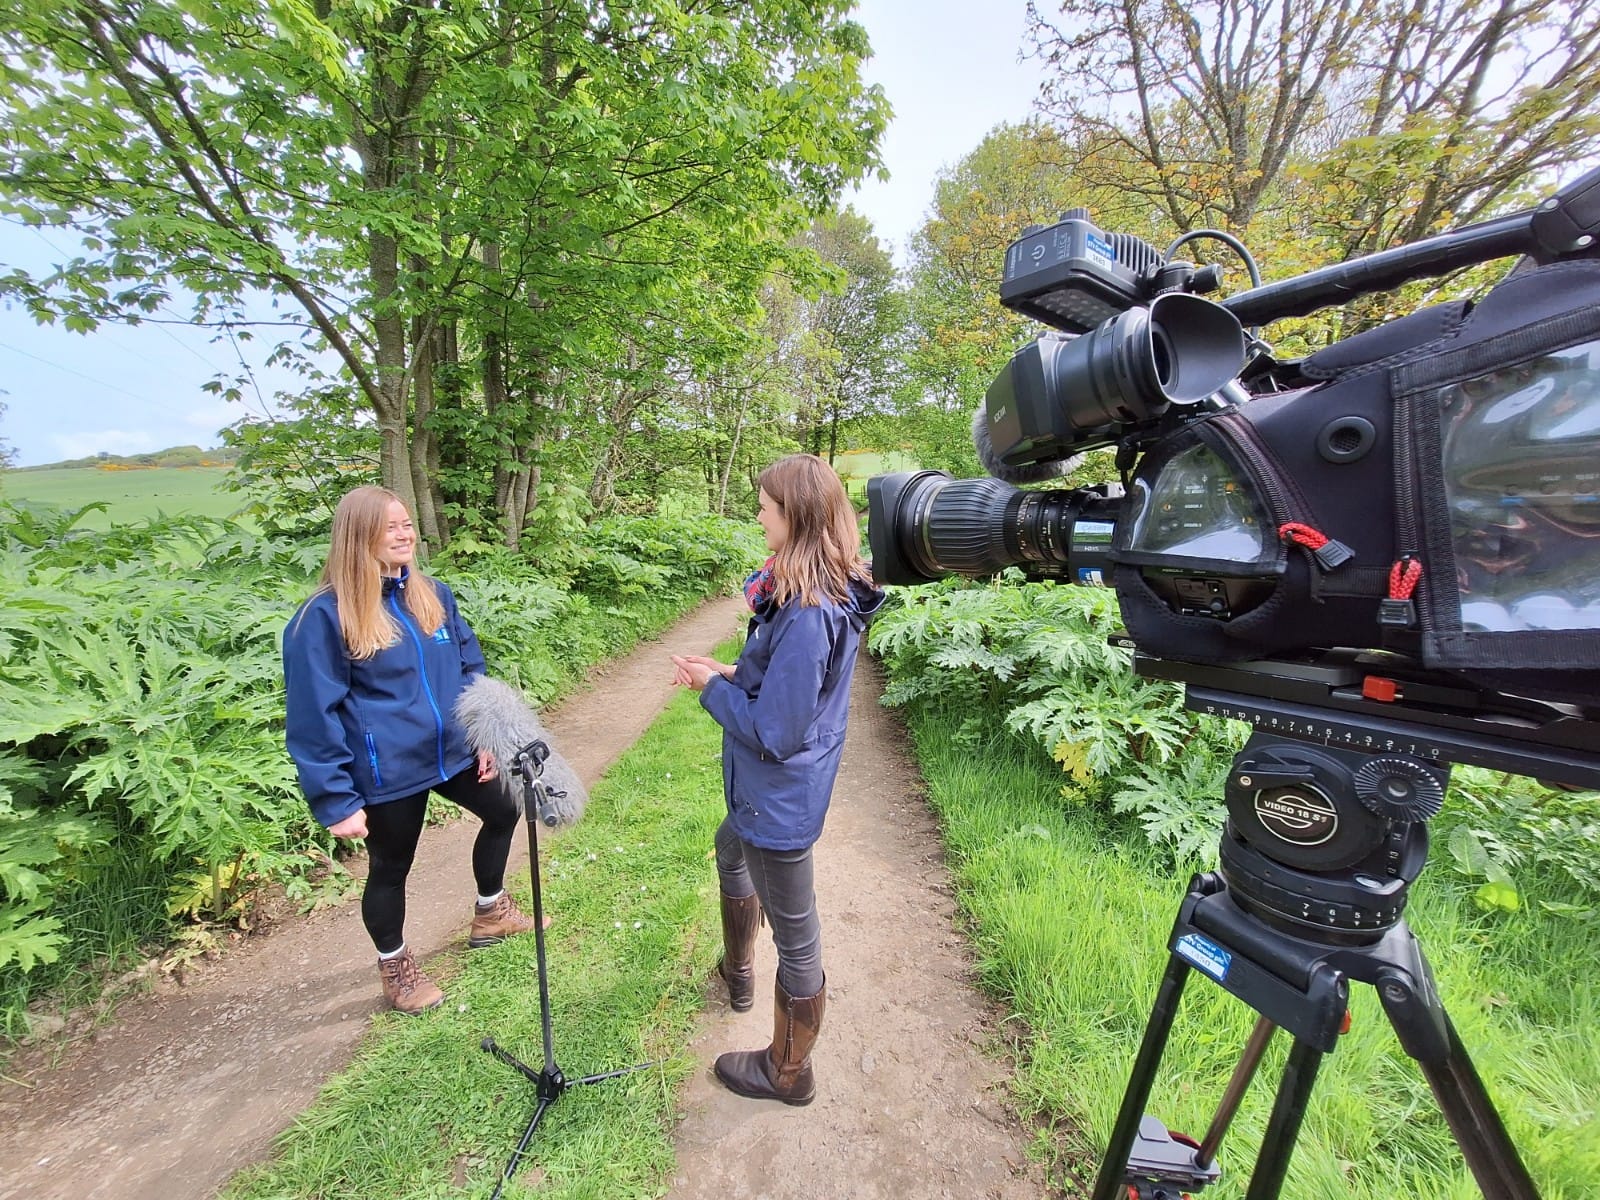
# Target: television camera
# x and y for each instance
(1385, 558)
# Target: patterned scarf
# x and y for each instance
(759, 586)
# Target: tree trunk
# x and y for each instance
(733, 453)
(390, 401)
(424, 440)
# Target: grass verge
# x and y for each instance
(1071, 910)
(423, 1112)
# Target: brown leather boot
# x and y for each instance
(500, 920)
(783, 1070)
(408, 990)
(741, 917)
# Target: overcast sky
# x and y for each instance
(950, 69)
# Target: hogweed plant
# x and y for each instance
(1037, 659)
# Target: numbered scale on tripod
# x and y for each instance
(1320, 729)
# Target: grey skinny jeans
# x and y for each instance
(783, 881)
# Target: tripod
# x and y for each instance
(550, 1083)
(1300, 986)
(1286, 939)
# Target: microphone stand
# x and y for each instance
(549, 1082)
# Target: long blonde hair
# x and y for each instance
(354, 574)
(823, 553)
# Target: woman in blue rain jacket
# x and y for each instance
(372, 665)
(783, 708)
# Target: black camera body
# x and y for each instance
(1384, 559)
(1429, 487)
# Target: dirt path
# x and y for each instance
(191, 1083)
(908, 1105)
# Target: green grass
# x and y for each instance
(423, 1112)
(1071, 911)
(129, 495)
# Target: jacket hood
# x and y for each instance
(865, 600)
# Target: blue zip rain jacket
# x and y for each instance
(783, 716)
(365, 732)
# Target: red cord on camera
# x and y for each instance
(1404, 577)
(1302, 535)
(1397, 610)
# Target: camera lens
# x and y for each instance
(923, 525)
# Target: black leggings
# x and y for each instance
(392, 833)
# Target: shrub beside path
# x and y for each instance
(191, 1083)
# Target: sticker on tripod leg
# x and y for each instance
(1202, 952)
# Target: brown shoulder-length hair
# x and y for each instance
(823, 553)
(354, 574)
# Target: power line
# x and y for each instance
(79, 374)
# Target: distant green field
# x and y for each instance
(855, 467)
(858, 464)
(128, 495)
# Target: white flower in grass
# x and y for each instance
(592, 856)
(616, 924)
(638, 924)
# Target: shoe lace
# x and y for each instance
(403, 971)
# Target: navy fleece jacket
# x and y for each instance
(365, 732)
(783, 716)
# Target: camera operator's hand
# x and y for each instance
(353, 826)
(695, 670)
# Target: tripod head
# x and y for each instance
(1328, 802)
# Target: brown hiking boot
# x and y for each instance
(500, 920)
(406, 987)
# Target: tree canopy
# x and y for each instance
(474, 206)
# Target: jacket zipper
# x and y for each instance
(372, 759)
(427, 688)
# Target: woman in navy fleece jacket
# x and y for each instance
(782, 709)
(372, 665)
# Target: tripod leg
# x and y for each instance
(522, 1149)
(1283, 1127)
(1427, 1035)
(1108, 1184)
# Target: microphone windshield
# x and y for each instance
(498, 719)
(1027, 473)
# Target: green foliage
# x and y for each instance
(1496, 828)
(291, 473)
(141, 708)
(1037, 659)
(527, 207)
